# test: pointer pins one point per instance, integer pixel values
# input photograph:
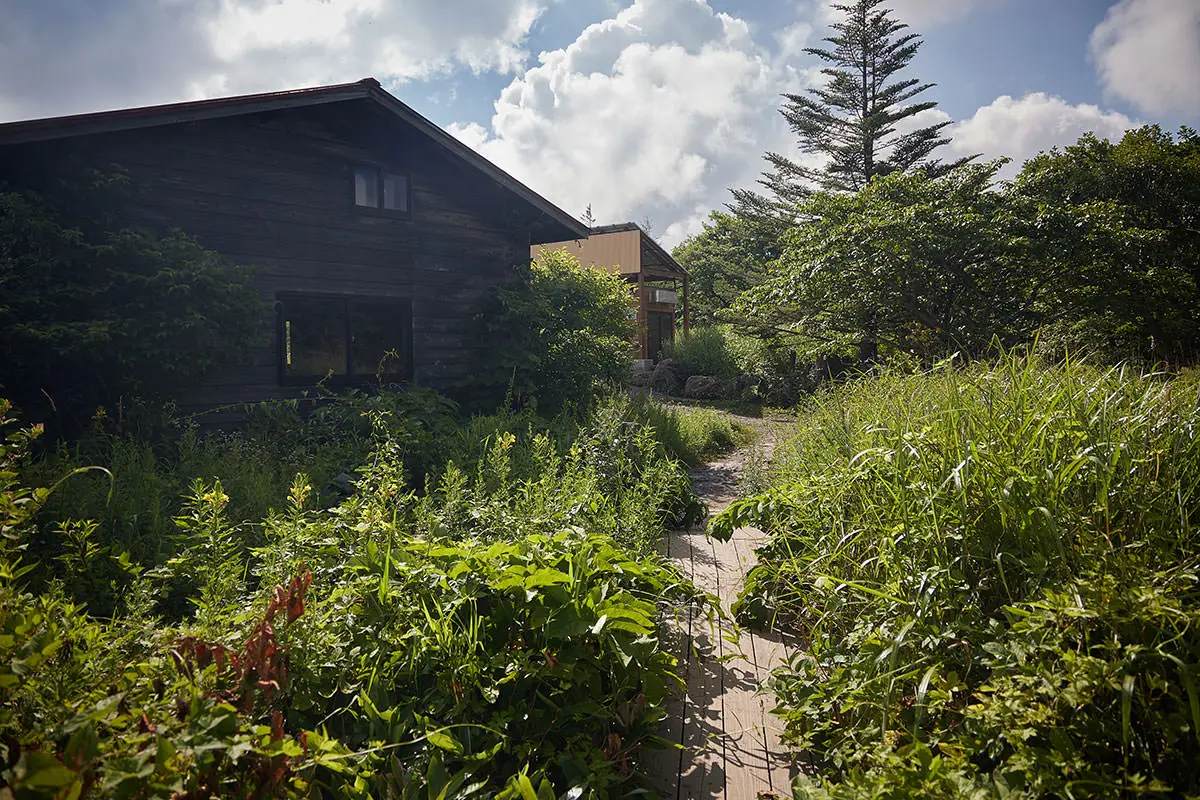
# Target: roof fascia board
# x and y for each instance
(668, 260)
(173, 114)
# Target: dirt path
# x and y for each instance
(731, 747)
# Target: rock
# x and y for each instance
(702, 387)
(664, 379)
(682, 369)
(641, 372)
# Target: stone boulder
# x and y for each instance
(641, 372)
(702, 387)
(665, 380)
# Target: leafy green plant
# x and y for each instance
(706, 351)
(556, 335)
(495, 636)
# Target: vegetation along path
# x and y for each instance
(730, 742)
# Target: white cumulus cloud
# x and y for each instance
(1148, 53)
(62, 56)
(1020, 129)
(654, 112)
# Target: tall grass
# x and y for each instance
(995, 571)
(692, 435)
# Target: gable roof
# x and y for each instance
(193, 111)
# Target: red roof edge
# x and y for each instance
(52, 127)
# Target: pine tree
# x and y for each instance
(854, 118)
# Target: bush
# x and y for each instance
(134, 506)
(996, 573)
(555, 336)
(724, 352)
(706, 351)
(95, 309)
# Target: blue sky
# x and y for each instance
(644, 109)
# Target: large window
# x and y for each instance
(344, 338)
(381, 190)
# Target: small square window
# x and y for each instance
(385, 191)
(366, 187)
(395, 192)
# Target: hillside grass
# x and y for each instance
(994, 572)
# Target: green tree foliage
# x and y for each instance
(1144, 298)
(556, 334)
(856, 119)
(905, 262)
(929, 266)
(728, 257)
(93, 308)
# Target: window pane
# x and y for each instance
(366, 187)
(661, 330)
(395, 192)
(314, 332)
(377, 328)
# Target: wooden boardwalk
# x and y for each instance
(730, 743)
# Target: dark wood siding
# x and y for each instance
(273, 191)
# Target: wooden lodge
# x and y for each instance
(371, 229)
(658, 281)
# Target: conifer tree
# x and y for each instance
(854, 119)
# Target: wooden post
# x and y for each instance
(643, 319)
(687, 313)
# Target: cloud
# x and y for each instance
(917, 13)
(928, 13)
(1148, 53)
(1020, 129)
(64, 56)
(655, 112)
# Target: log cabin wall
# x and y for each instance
(274, 190)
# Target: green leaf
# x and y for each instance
(443, 739)
(37, 770)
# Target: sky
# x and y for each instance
(642, 110)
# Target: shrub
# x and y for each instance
(706, 351)
(555, 336)
(723, 351)
(996, 572)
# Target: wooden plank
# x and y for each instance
(661, 766)
(746, 755)
(765, 653)
(702, 761)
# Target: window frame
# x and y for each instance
(380, 174)
(401, 302)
